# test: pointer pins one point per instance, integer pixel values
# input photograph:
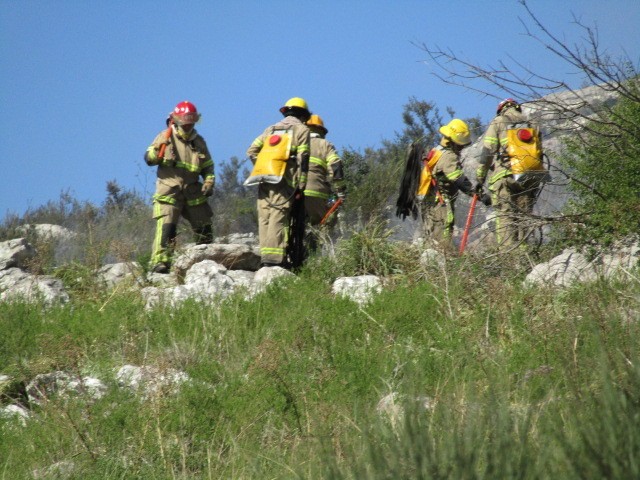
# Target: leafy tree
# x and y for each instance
(228, 180)
(422, 119)
(606, 159)
(372, 179)
(122, 199)
(233, 204)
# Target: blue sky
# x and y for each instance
(87, 84)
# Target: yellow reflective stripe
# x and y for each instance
(454, 175)
(315, 194)
(449, 223)
(210, 176)
(491, 140)
(303, 177)
(206, 164)
(152, 153)
(258, 142)
(172, 201)
(318, 161)
(197, 201)
(188, 166)
(159, 254)
(498, 176)
(303, 148)
(164, 199)
(272, 251)
(331, 158)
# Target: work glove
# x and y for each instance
(342, 196)
(151, 160)
(479, 188)
(485, 198)
(151, 156)
(207, 187)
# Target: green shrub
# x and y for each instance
(606, 161)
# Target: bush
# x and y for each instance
(606, 161)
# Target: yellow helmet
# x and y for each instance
(457, 131)
(295, 102)
(316, 121)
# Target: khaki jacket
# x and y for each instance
(298, 165)
(180, 169)
(325, 169)
(494, 160)
(449, 175)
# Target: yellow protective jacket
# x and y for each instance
(494, 161)
(325, 169)
(298, 164)
(185, 160)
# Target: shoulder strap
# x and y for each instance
(175, 148)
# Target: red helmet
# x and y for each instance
(505, 103)
(185, 113)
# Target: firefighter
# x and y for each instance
(325, 173)
(511, 198)
(280, 156)
(441, 179)
(182, 157)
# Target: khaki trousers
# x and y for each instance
(167, 217)
(274, 210)
(513, 205)
(438, 220)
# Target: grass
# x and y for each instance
(521, 383)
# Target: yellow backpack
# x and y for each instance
(271, 162)
(524, 149)
(426, 178)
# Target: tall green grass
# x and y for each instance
(520, 383)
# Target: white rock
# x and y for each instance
(360, 289)
(232, 256)
(150, 381)
(572, 266)
(48, 231)
(47, 385)
(432, 258)
(15, 253)
(114, 273)
(15, 412)
(17, 285)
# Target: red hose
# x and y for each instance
(467, 226)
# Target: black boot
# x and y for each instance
(160, 267)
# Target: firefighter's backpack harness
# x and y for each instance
(271, 162)
(524, 149)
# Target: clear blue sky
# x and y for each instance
(86, 85)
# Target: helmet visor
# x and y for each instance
(185, 118)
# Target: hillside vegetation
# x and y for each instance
(453, 371)
(456, 370)
(488, 380)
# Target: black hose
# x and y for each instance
(406, 205)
